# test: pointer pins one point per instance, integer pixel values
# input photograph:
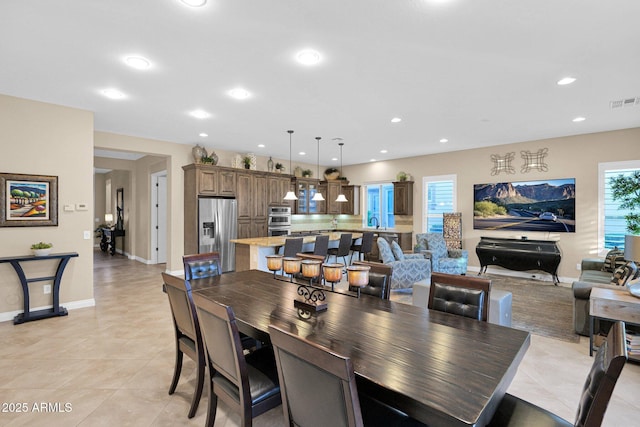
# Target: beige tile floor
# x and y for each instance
(111, 364)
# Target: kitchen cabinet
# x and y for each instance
(306, 188)
(244, 195)
(252, 193)
(403, 239)
(352, 193)
(278, 186)
(207, 180)
(403, 198)
(332, 192)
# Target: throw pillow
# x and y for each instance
(397, 251)
(614, 260)
(385, 251)
(622, 274)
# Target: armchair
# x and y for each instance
(443, 260)
(407, 269)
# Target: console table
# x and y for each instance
(56, 310)
(519, 254)
(108, 241)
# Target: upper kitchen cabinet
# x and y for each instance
(352, 206)
(306, 188)
(207, 180)
(333, 190)
(403, 198)
(278, 186)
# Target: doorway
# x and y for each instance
(158, 230)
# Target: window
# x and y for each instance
(612, 226)
(379, 204)
(439, 197)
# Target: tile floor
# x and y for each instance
(111, 364)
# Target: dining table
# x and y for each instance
(439, 368)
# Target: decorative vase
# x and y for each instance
(41, 252)
(214, 158)
(331, 176)
(297, 171)
(198, 153)
(270, 164)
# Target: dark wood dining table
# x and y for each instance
(441, 369)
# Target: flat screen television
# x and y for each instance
(546, 205)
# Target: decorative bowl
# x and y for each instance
(41, 252)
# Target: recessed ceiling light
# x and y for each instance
(194, 3)
(308, 57)
(443, 140)
(239, 93)
(372, 160)
(579, 119)
(566, 81)
(199, 114)
(204, 135)
(261, 145)
(302, 153)
(113, 93)
(137, 62)
(396, 120)
(335, 159)
(383, 151)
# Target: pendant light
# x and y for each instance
(341, 196)
(318, 196)
(290, 194)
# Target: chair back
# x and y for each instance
(312, 377)
(321, 246)
(292, 246)
(461, 295)
(224, 348)
(345, 244)
(367, 242)
(607, 365)
(437, 245)
(379, 279)
(199, 266)
(183, 309)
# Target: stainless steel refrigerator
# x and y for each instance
(217, 224)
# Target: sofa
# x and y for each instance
(610, 272)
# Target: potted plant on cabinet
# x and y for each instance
(331, 174)
(279, 167)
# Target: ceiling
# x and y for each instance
(476, 72)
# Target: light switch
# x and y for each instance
(87, 234)
(68, 208)
(82, 207)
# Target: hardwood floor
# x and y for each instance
(112, 364)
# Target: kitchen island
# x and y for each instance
(251, 252)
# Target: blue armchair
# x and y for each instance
(443, 260)
(407, 269)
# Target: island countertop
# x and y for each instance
(276, 241)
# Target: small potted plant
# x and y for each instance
(402, 176)
(41, 248)
(247, 162)
(280, 167)
(307, 173)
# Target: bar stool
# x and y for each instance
(365, 246)
(343, 248)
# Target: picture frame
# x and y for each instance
(28, 200)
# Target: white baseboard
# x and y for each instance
(9, 315)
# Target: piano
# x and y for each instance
(520, 255)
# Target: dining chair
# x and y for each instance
(379, 279)
(461, 295)
(318, 387)
(187, 334)
(605, 371)
(364, 247)
(199, 266)
(321, 245)
(343, 249)
(247, 384)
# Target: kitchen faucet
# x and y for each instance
(377, 222)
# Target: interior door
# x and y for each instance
(159, 217)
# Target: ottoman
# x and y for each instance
(499, 302)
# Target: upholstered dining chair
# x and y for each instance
(302, 363)
(343, 249)
(187, 334)
(605, 371)
(364, 247)
(247, 384)
(379, 279)
(199, 266)
(443, 260)
(465, 296)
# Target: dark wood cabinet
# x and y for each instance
(333, 190)
(244, 195)
(260, 197)
(519, 254)
(278, 186)
(244, 228)
(403, 198)
(352, 206)
(306, 188)
(404, 239)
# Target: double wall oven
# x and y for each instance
(279, 220)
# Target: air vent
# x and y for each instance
(627, 102)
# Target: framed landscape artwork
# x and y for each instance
(28, 200)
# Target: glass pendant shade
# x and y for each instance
(318, 196)
(341, 198)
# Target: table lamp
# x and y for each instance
(108, 218)
(632, 253)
